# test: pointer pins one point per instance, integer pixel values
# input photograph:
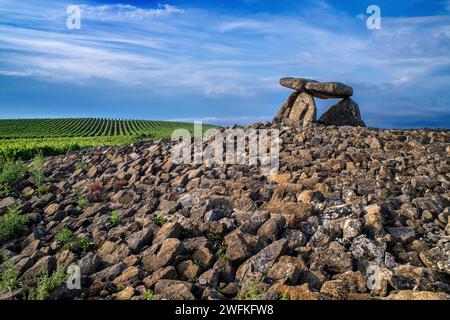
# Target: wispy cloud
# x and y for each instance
(169, 49)
(227, 120)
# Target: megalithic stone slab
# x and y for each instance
(344, 113)
(295, 83)
(286, 108)
(327, 90)
(303, 111)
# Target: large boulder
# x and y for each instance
(327, 90)
(344, 113)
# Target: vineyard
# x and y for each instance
(23, 138)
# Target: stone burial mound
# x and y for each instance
(300, 107)
(353, 213)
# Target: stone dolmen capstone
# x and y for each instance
(300, 108)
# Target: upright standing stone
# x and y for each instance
(344, 113)
(286, 108)
(303, 111)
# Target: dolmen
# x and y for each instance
(300, 107)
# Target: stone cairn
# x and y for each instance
(300, 108)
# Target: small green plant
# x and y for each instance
(115, 217)
(214, 237)
(64, 236)
(185, 233)
(285, 296)
(13, 222)
(220, 246)
(10, 172)
(120, 287)
(46, 284)
(37, 175)
(148, 294)
(41, 190)
(79, 165)
(82, 202)
(159, 220)
(80, 243)
(222, 256)
(253, 291)
(72, 242)
(9, 277)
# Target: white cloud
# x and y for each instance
(227, 120)
(125, 12)
(224, 55)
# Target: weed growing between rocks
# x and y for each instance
(9, 277)
(13, 222)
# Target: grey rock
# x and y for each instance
(344, 113)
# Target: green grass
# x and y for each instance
(24, 138)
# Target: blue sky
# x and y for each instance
(220, 62)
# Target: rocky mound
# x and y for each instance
(354, 213)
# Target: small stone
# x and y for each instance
(125, 294)
(129, 276)
(43, 266)
(112, 253)
(300, 292)
(352, 228)
(403, 234)
(237, 247)
(168, 272)
(173, 290)
(89, 263)
(170, 248)
(310, 196)
(138, 240)
(28, 191)
(51, 209)
(294, 237)
(203, 257)
(285, 272)
(264, 260)
(279, 177)
(271, 228)
(168, 230)
(188, 269)
(417, 295)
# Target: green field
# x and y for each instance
(24, 138)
